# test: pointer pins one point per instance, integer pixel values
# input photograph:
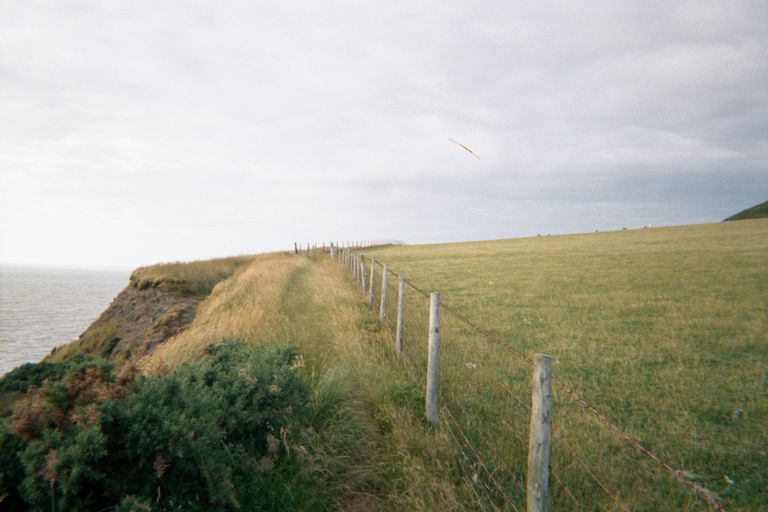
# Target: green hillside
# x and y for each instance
(759, 211)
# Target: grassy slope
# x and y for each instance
(272, 302)
(665, 329)
(376, 445)
(759, 211)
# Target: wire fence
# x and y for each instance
(485, 402)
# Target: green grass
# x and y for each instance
(759, 211)
(664, 329)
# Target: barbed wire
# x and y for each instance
(577, 397)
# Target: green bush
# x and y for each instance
(31, 374)
(216, 434)
(110, 347)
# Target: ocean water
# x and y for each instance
(42, 308)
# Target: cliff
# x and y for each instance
(159, 302)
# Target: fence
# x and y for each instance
(333, 248)
(481, 395)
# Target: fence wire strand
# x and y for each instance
(416, 327)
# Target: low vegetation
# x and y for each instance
(193, 278)
(663, 329)
(237, 429)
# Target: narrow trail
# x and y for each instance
(373, 447)
(319, 313)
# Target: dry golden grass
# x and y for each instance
(245, 306)
(193, 277)
(415, 464)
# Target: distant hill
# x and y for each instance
(759, 211)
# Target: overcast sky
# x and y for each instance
(134, 132)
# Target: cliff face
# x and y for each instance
(159, 302)
(137, 321)
(144, 318)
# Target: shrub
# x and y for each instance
(216, 434)
(31, 374)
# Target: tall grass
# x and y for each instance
(271, 302)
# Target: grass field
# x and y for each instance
(665, 330)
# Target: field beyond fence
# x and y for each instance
(659, 344)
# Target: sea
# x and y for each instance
(41, 308)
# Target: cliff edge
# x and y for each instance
(159, 302)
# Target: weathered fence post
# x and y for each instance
(362, 273)
(400, 311)
(383, 307)
(295, 248)
(540, 441)
(433, 363)
(370, 285)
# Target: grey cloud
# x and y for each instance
(138, 126)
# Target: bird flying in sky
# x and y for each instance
(465, 147)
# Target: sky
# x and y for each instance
(134, 132)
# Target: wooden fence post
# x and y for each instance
(370, 285)
(400, 311)
(383, 307)
(433, 363)
(540, 441)
(362, 273)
